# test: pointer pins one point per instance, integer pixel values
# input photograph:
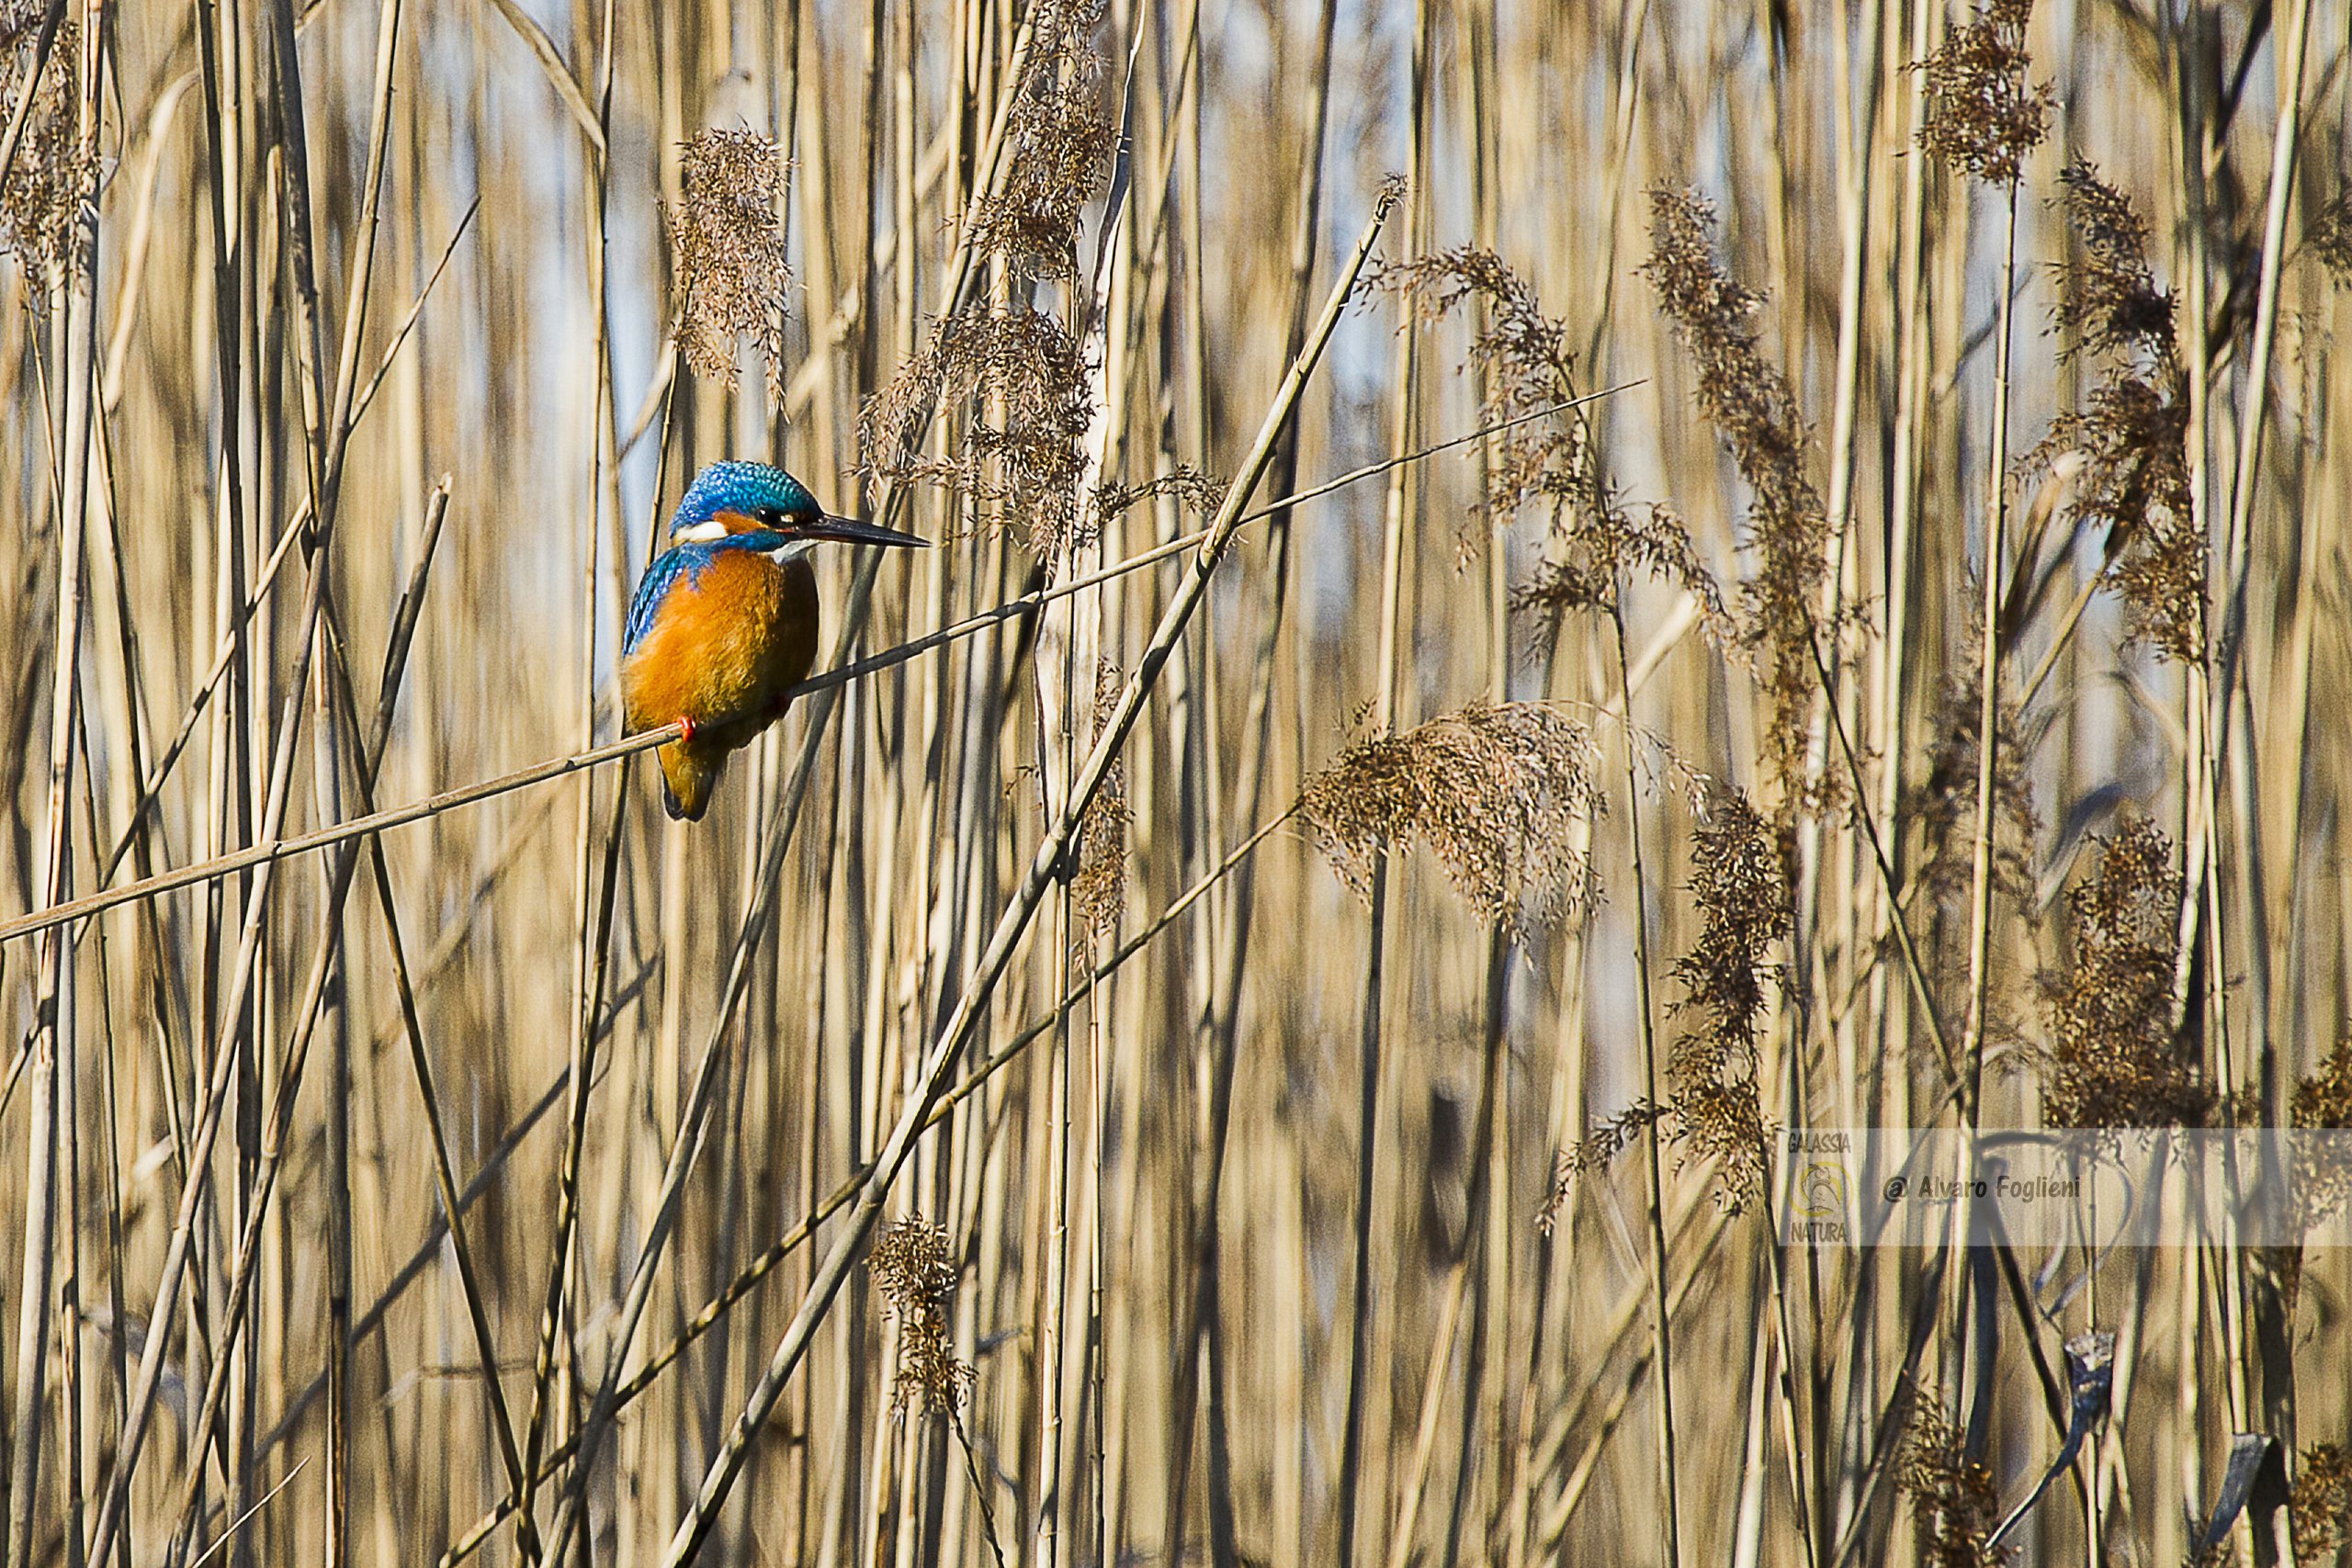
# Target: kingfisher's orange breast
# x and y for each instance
(724, 646)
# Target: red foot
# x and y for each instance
(685, 727)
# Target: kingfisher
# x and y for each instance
(724, 623)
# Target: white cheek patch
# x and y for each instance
(700, 534)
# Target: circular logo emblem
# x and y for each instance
(1821, 1191)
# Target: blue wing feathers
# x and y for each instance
(683, 563)
(651, 589)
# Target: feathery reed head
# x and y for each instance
(1030, 408)
(1739, 881)
(1983, 115)
(2110, 298)
(48, 178)
(729, 252)
(1756, 416)
(1195, 491)
(915, 1268)
(1097, 886)
(2319, 1505)
(1741, 884)
(2325, 1099)
(1058, 143)
(2112, 1059)
(2322, 1103)
(1553, 463)
(1493, 791)
(1954, 1504)
(2331, 237)
(2132, 429)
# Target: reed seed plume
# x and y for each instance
(1198, 493)
(1756, 416)
(2325, 1099)
(1552, 465)
(1060, 139)
(1098, 884)
(46, 181)
(1023, 381)
(729, 255)
(1955, 1506)
(1712, 1110)
(1493, 791)
(1946, 802)
(915, 1268)
(2113, 1059)
(2132, 428)
(2331, 237)
(2319, 1505)
(2110, 298)
(1741, 888)
(2322, 1103)
(1983, 115)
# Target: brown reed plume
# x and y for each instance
(2322, 1103)
(1493, 791)
(2132, 429)
(1023, 375)
(1552, 463)
(729, 255)
(1954, 1504)
(915, 1268)
(1756, 416)
(1714, 1111)
(1195, 491)
(2331, 237)
(2319, 1505)
(1024, 381)
(1058, 143)
(1740, 887)
(1097, 884)
(2113, 1059)
(1946, 806)
(1983, 115)
(46, 182)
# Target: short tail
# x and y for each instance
(689, 774)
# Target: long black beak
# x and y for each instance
(850, 531)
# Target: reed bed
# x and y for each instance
(1528, 599)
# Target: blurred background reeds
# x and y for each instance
(1267, 1042)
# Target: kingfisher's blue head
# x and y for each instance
(736, 498)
